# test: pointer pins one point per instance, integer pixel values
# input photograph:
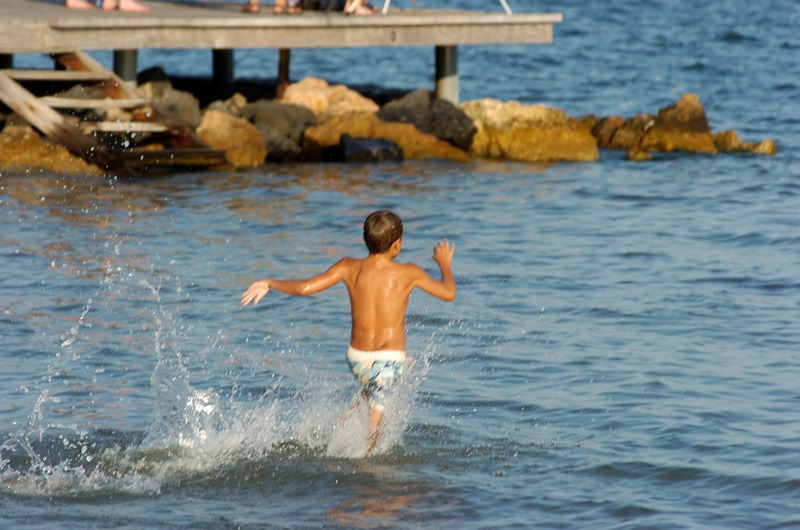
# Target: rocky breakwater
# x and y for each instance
(345, 117)
(682, 126)
(318, 122)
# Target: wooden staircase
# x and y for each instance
(150, 141)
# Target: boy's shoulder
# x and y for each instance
(410, 269)
(348, 263)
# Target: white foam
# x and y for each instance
(194, 432)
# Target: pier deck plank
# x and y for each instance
(31, 26)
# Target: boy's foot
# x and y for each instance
(78, 4)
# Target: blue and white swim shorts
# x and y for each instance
(377, 371)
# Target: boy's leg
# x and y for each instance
(375, 417)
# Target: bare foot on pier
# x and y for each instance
(125, 5)
(358, 7)
(78, 4)
(291, 7)
(251, 7)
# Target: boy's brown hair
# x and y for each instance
(381, 230)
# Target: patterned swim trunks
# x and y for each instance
(377, 371)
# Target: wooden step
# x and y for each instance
(56, 75)
(190, 152)
(50, 122)
(151, 158)
(80, 103)
(122, 127)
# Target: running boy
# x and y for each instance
(379, 290)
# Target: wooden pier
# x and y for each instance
(46, 26)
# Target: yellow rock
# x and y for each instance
(243, 145)
(765, 147)
(327, 101)
(680, 127)
(415, 143)
(532, 133)
(23, 150)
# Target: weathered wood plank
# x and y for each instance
(122, 126)
(277, 38)
(56, 75)
(142, 158)
(83, 62)
(78, 60)
(78, 103)
(31, 25)
(50, 122)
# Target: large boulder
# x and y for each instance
(281, 125)
(680, 127)
(174, 105)
(531, 133)
(414, 143)
(364, 151)
(728, 141)
(326, 101)
(243, 145)
(604, 130)
(234, 105)
(628, 136)
(451, 124)
(438, 117)
(413, 108)
(23, 150)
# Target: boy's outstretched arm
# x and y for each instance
(446, 288)
(318, 283)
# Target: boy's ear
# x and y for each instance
(397, 245)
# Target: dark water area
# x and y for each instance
(623, 353)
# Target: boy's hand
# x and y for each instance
(255, 292)
(443, 252)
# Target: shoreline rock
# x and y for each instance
(327, 101)
(243, 145)
(414, 143)
(24, 150)
(728, 142)
(437, 117)
(680, 127)
(530, 133)
(281, 125)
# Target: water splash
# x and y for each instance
(194, 433)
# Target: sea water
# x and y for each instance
(623, 353)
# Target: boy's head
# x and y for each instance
(381, 230)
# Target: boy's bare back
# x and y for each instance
(379, 290)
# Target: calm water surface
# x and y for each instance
(623, 353)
